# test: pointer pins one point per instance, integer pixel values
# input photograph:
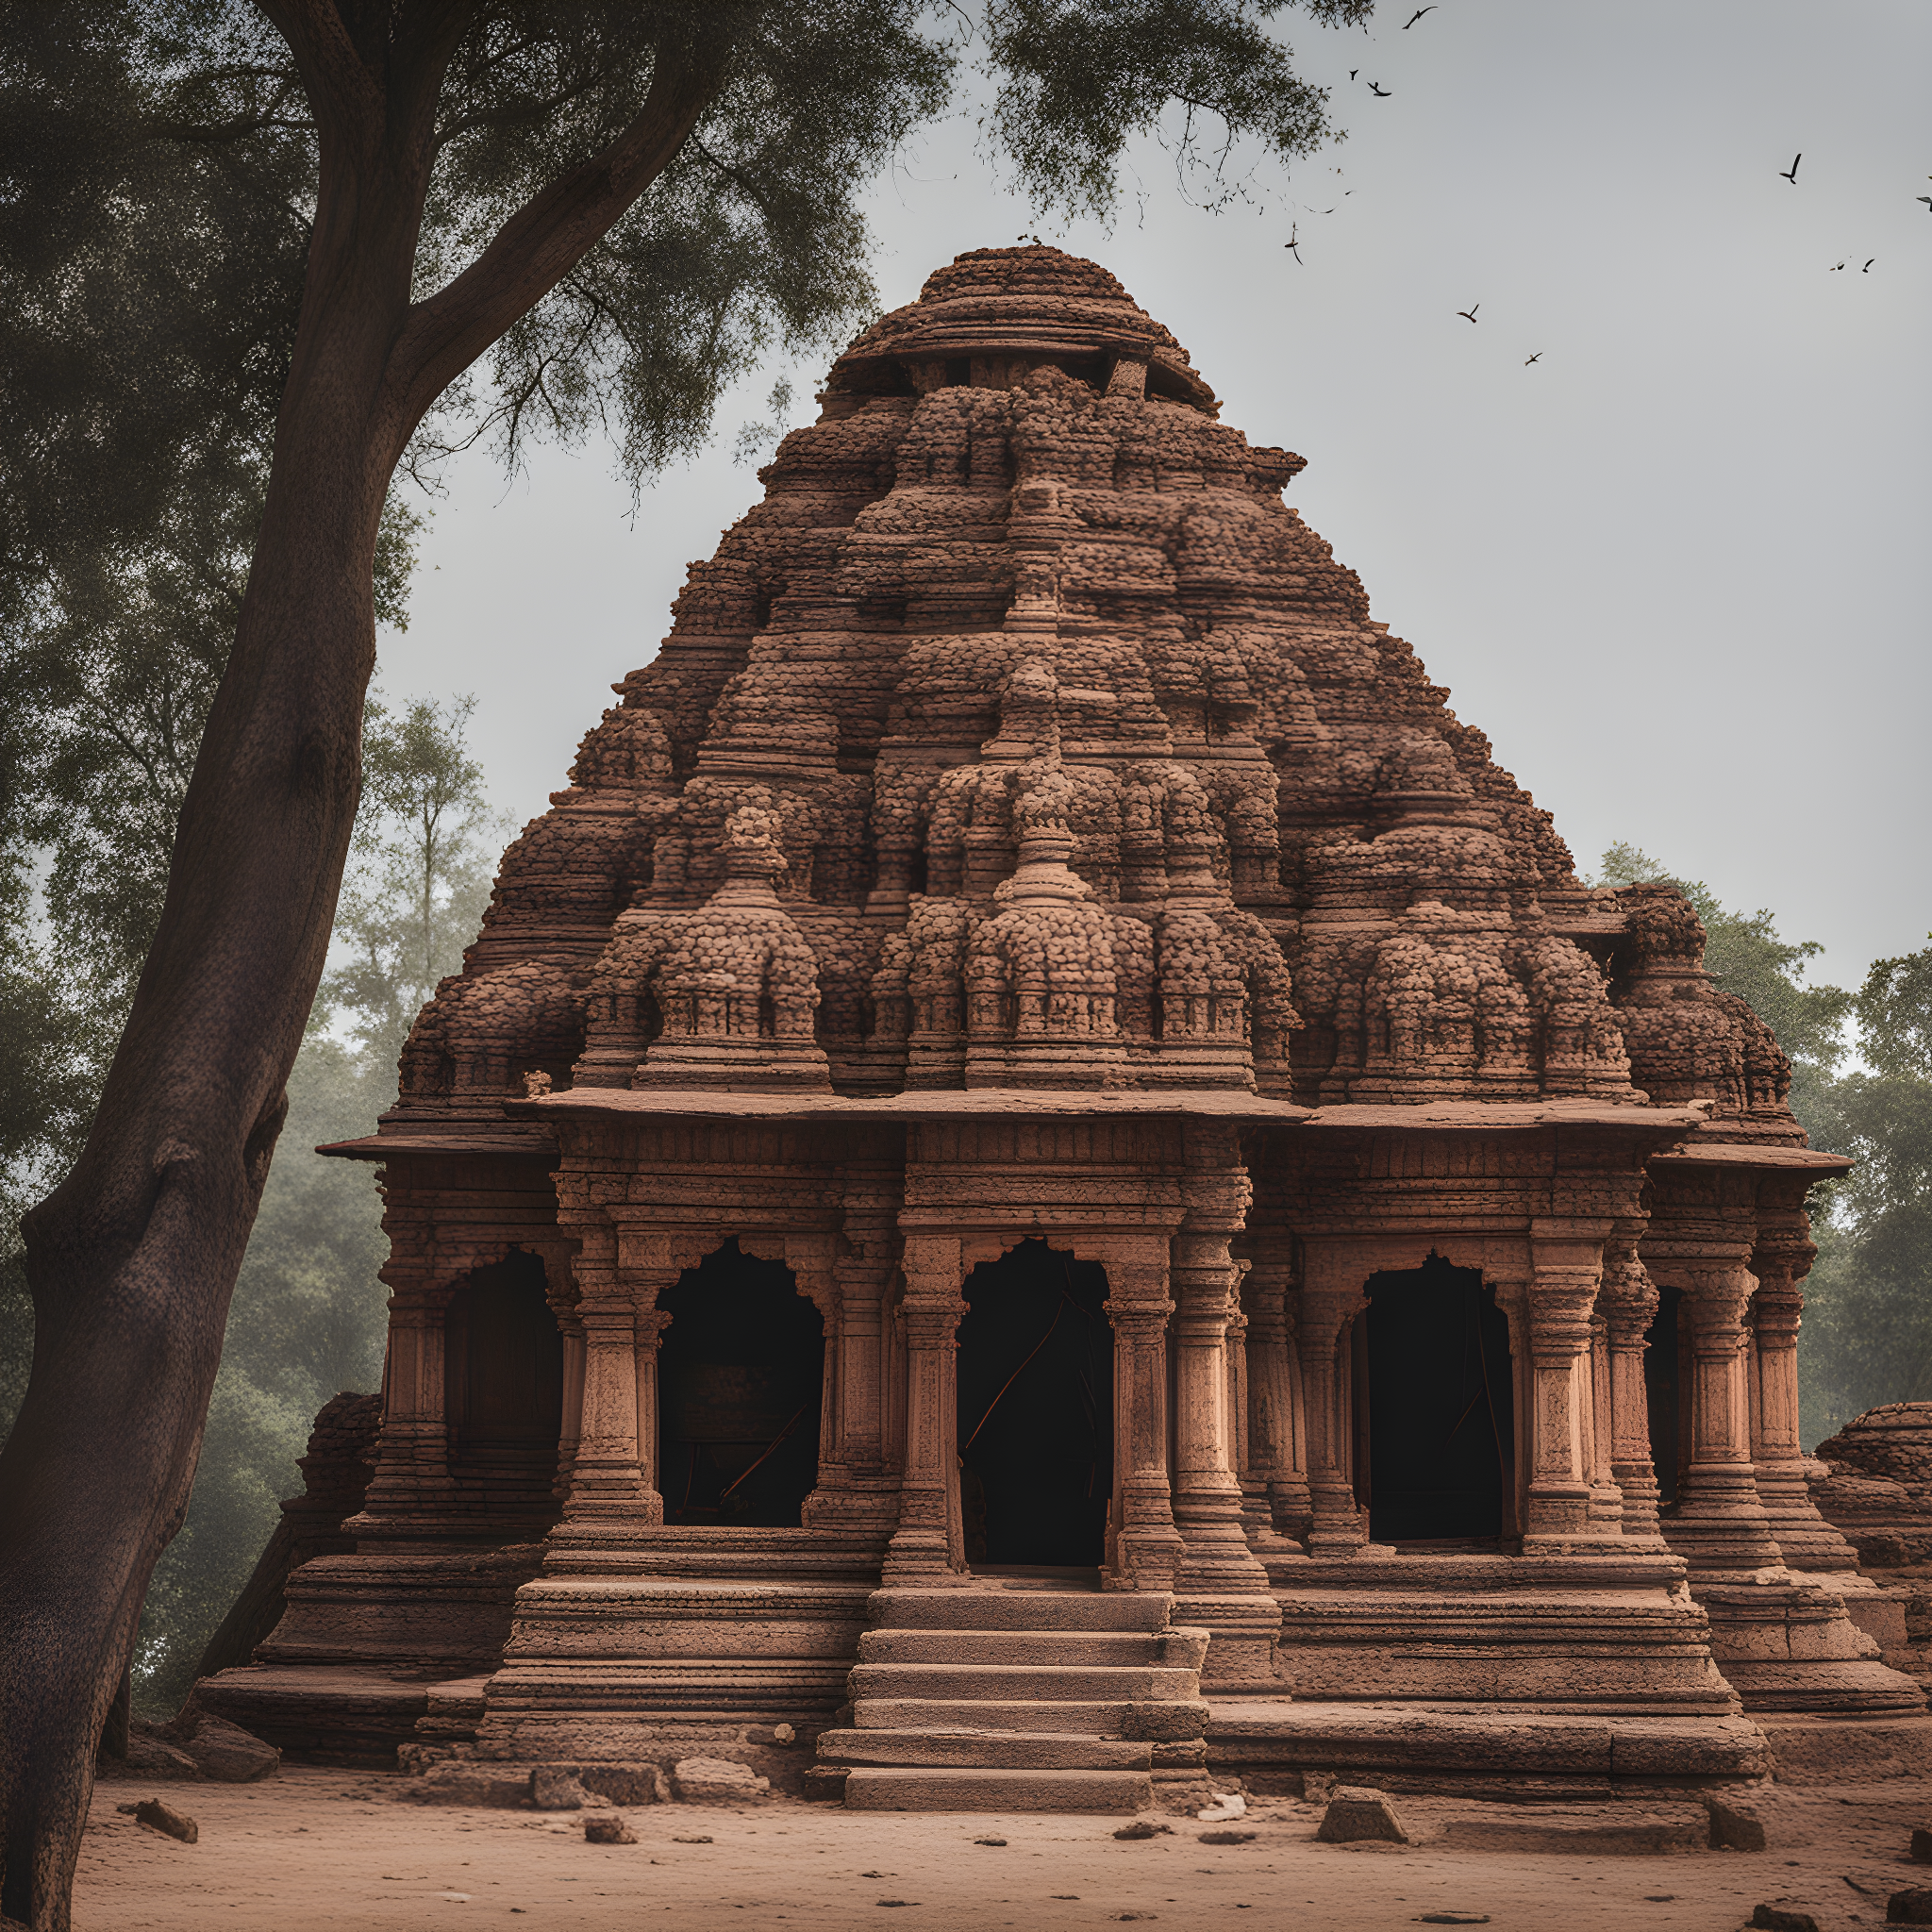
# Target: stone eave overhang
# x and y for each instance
(523, 1137)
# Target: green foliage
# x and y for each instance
(1867, 1318)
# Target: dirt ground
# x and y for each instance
(314, 1847)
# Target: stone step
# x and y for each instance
(966, 1609)
(894, 1790)
(1089, 1682)
(1052, 1648)
(1159, 1719)
(992, 1750)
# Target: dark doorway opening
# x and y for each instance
(502, 1386)
(741, 1371)
(1036, 1409)
(1439, 1407)
(1662, 1373)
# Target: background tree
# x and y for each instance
(468, 161)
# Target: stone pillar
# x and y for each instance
(859, 1440)
(1563, 1299)
(1145, 1546)
(1206, 1491)
(411, 1475)
(608, 1474)
(1628, 1300)
(928, 1546)
(573, 1430)
(1719, 1523)
(1275, 1484)
(1781, 1259)
(1331, 1298)
(1605, 1500)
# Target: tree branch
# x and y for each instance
(543, 241)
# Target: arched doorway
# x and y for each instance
(502, 1384)
(1662, 1379)
(1036, 1409)
(741, 1371)
(1435, 1404)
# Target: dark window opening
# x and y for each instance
(1661, 1374)
(741, 1373)
(1036, 1409)
(503, 1370)
(958, 371)
(1435, 1407)
(917, 878)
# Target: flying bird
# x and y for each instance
(1352, 72)
(1293, 246)
(1468, 314)
(1416, 16)
(1381, 92)
(1836, 266)
(1790, 174)
(1926, 199)
(1537, 357)
(1867, 268)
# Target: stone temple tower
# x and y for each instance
(1043, 1177)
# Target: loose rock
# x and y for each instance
(1143, 1827)
(1452, 1918)
(1225, 1805)
(229, 1754)
(1734, 1827)
(1779, 1919)
(556, 1788)
(164, 1818)
(1912, 1906)
(1318, 1787)
(716, 1781)
(1357, 1812)
(1227, 1838)
(608, 1829)
(1922, 1847)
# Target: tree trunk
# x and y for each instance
(133, 1258)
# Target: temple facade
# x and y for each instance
(1040, 1106)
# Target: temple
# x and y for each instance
(1043, 1182)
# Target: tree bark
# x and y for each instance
(132, 1260)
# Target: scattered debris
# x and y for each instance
(1452, 1918)
(706, 1841)
(609, 1828)
(1000, 1841)
(1912, 1906)
(1318, 1787)
(1225, 1805)
(1227, 1838)
(784, 1734)
(165, 1819)
(1143, 1827)
(1357, 1812)
(1733, 1827)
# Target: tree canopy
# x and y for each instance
(276, 240)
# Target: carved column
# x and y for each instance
(1605, 1500)
(1563, 1299)
(1275, 1486)
(1331, 1298)
(572, 1431)
(928, 1547)
(411, 1475)
(608, 1474)
(862, 1273)
(1145, 1547)
(1629, 1301)
(1206, 1491)
(1719, 1523)
(1781, 1259)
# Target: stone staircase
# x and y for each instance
(1019, 1698)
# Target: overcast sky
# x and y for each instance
(1678, 569)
